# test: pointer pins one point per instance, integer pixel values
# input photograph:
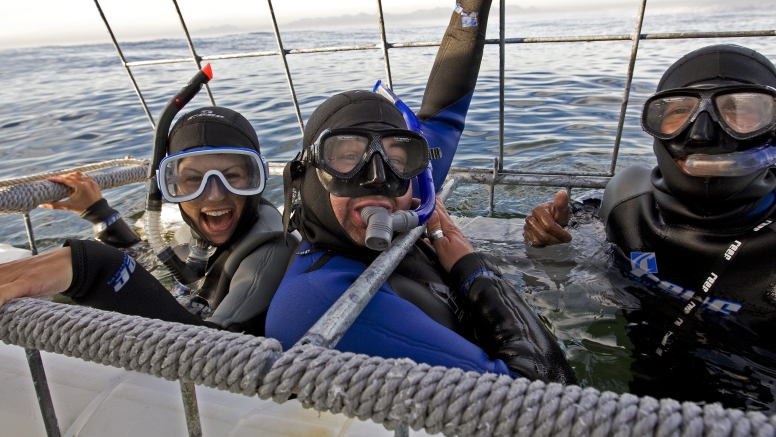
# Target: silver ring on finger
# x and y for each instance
(436, 235)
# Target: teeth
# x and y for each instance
(217, 213)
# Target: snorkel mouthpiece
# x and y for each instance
(731, 164)
(380, 224)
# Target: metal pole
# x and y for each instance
(330, 328)
(501, 54)
(35, 363)
(191, 47)
(30, 235)
(42, 390)
(385, 44)
(533, 180)
(126, 67)
(626, 93)
(492, 200)
(285, 65)
(405, 45)
(403, 430)
(189, 395)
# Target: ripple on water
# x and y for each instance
(597, 100)
(524, 103)
(517, 147)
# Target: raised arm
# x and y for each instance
(451, 83)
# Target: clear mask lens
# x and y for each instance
(344, 153)
(731, 164)
(745, 112)
(184, 176)
(670, 114)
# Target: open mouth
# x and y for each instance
(217, 221)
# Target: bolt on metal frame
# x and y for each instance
(329, 330)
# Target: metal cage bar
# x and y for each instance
(384, 43)
(628, 81)
(501, 67)
(282, 53)
(35, 362)
(125, 64)
(191, 47)
(526, 40)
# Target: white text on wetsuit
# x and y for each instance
(122, 275)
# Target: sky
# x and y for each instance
(46, 22)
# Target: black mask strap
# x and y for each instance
(292, 183)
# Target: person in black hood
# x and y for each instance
(444, 304)
(215, 172)
(697, 231)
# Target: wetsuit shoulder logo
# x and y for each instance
(644, 261)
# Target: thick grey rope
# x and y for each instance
(219, 359)
(129, 160)
(20, 199)
(387, 391)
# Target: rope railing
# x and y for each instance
(129, 160)
(386, 391)
(22, 195)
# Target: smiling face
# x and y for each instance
(216, 211)
(348, 211)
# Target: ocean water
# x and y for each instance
(64, 106)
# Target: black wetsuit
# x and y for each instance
(706, 289)
(238, 285)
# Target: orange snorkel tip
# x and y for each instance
(208, 71)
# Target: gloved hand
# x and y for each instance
(507, 328)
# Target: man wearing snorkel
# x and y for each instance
(444, 304)
(697, 232)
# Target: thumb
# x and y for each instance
(560, 207)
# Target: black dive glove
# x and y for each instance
(109, 227)
(506, 326)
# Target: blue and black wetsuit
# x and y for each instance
(469, 318)
(392, 325)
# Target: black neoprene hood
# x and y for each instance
(719, 62)
(316, 220)
(722, 63)
(212, 126)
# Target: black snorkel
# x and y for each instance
(182, 272)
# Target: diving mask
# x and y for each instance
(185, 175)
(343, 152)
(355, 162)
(743, 111)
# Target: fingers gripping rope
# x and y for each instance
(20, 199)
(386, 391)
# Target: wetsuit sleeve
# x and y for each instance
(109, 279)
(389, 326)
(451, 83)
(109, 227)
(584, 210)
(506, 326)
